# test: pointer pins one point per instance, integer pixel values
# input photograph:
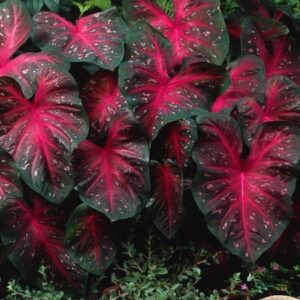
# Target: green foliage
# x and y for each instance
(17, 292)
(35, 6)
(84, 6)
(292, 7)
(161, 272)
(167, 6)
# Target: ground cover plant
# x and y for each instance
(183, 114)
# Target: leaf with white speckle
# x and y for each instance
(96, 38)
(156, 92)
(40, 134)
(197, 28)
(15, 27)
(113, 176)
(281, 56)
(24, 68)
(101, 99)
(281, 103)
(246, 201)
(247, 80)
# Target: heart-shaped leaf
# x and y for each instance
(246, 202)
(112, 177)
(88, 240)
(40, 134)
(96, 38)
(197, 28)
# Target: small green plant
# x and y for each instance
(162, 272)
(16, 291)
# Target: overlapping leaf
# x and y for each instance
(40, 134)
(197, 28)
(280, 56)
(88, 240)
(247, 80)
(167, 194)
(175, 142)
(32, 238)
(282, 103)
(101, 99)
(112, 176)
(96, 38)
(15, 27)
(247, 202)
(158, 94)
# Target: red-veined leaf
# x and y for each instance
(197, 28)
(282, 103)
(175, 142)
(280, 56)
(113, 177)
(40, 134)
(15, 27)
(96, 38)
(157, 94)
(247, 80)
(24, 68)
(167, 194)
(101, 99)
(88, 240)
(32, 238)
(10, 185)
(247, 202)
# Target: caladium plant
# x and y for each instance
(96, 38)
(41, 134)
(15, 28)
(167, 196)
(246, 201)
(281, 103)
(112, 175)
(113, 117)
(32, 236)
(247, 76)
(280, 55)
(157, 93)
(196, 28)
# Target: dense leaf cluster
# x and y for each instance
(114, 112)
